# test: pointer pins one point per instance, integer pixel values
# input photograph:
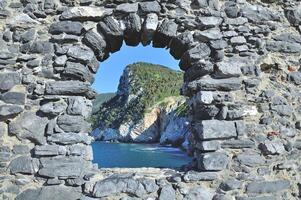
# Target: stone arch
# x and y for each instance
(54, 49)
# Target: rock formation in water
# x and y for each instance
(147, 108)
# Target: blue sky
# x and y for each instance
(109, 72)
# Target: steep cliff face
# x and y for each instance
(147, 108)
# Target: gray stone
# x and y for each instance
(39, 47)
(97, 43)
(60, 61)
(209, 22)
(284, 47)
(238, 144)
(28, 36)
(192, 176)
(85, 13)
(3, 129)
(50, 192)
(77, 71)
(294, 15)
(79, 106)
(230, 184)
(208, 35)
(288, 37)
(209, 84)
(67, 88)
(21, 149)
(259, 14)
(54, 108)
(69, 27)
(238, 40)
(258, 198)
(180, 44)
(295, 77)
(282, 110)
(81, 54)
(228, 69)
(198, 69)
(69, 123)
(69, 138)
(165, 32)
(206, 146)
(127, 8)
(167, 192)
(198, 193)
(9, 111)
(85, 151)
(24, 165)
(272, 147)
(216, 129)
(231, 9)
(49, 150)
(22, 21)
(9, 80)
(213, 161)
(251, 160)
(149, 27)
(267, 186)
(62, 167)
(132, 32)
(192, 56)
(29, 126)
(113, 33)
(150, 7)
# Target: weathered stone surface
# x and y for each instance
(294, 15)
(208, 35)
(97, 43)
(82, 54)
(67, 88)
(9, 80)
(29, 126)
(84, 13)
(24, 165)
(209, 84)
(113, 33)
(250, 160)
(216, 129)
(69, 27)
(54, 108)
(192, 176)
(190, 57)
(198, 193)
(132, 32)
(22, 21)
(209, 22)
(167, 192)
(228, 69)
(230, 184)
(113, 186)
(150, 7)
(295, 77)
(78, 71)
(9, 111)
(149, 27)
(69, 123)
(213, 161)
(259, 14)
(284, 47)
(62, 167)
(50, 192)
(79, 106)
(272, 147)
(127, 8)
(238, 144)
(14, 96)
(49, 150)
(198, 69)
(165, 32)
(69, 138)
(206, 146)
(180, 44)
(267, 186)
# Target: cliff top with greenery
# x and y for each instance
(141, 86)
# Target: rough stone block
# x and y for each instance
(69, 123)
(24, 165)
(267, 186)
(9, 80)
(132, 32)
(216, 129)
(69, 138)
(165, 32)
(69, 27)
(149, 27)
(49, 150)
(213, 161)
(85, 13)
(192, 176)
(54, 108)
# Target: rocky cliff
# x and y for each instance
(147, 108)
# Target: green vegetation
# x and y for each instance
(149, 84)
(100, 99)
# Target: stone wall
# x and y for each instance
(242, 74)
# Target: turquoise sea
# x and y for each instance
(130, 155)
